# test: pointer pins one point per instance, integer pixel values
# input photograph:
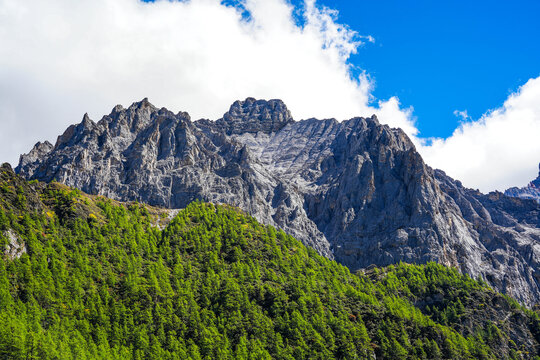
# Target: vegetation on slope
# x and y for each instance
(98, 280)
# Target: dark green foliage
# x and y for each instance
(466, 305)
(214, 284)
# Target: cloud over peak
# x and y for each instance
(62, 58)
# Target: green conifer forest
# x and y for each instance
(86, 277)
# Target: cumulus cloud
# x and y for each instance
(62, 58)
(498, 151)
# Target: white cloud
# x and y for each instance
(500, 150)
(62, 58)
(462, 114)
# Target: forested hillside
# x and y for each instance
(85, 277)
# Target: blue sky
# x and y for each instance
(442, 56)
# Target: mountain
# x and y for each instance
(93, 278)
(356, 191)
(531, 191)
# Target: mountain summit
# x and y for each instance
(356, 190)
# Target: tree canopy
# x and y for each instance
(99, 280)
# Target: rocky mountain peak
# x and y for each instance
(42, 148)
(86, 120)
(38, 152)
(253, 115)
(76, 133)
(143, 104)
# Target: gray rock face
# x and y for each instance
(253, 116)
(356, 191)
(531, 191)
(40, 150)
(15, 247)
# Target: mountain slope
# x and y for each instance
(356, 191)
(99, 280)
